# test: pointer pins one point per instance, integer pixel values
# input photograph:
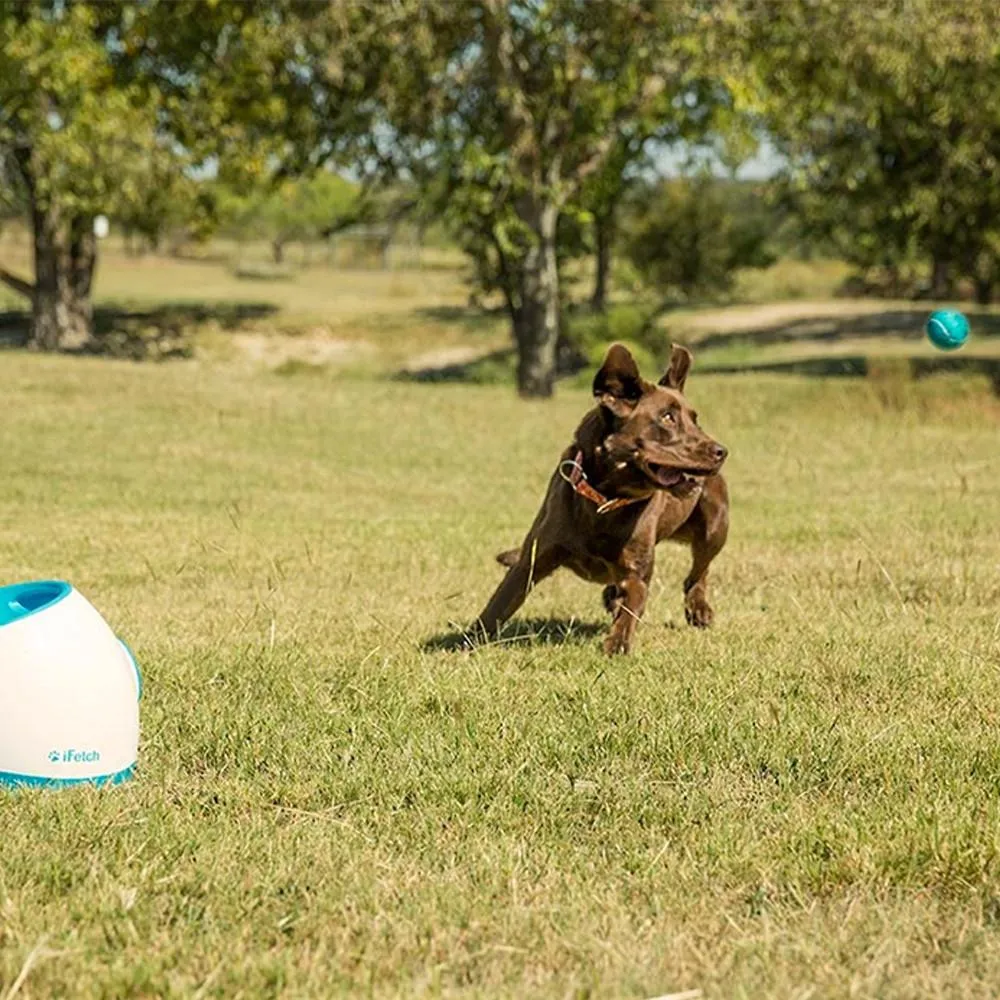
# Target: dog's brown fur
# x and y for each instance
(641, 441)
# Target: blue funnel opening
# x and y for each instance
(23, 599)
(37, 597)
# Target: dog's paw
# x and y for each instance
(616, 645)
(698, 612)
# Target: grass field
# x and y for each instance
(803, 802)
(364, 319)
(367, 321)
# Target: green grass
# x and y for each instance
(791, 279)
(372, 321)
(801, 802)
(388, 316)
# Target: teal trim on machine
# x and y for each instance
(20, 600)
(135, 668)
(10, 780)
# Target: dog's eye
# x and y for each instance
(668, 418)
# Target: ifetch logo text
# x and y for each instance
(74, 756)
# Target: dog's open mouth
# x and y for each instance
(666, 476)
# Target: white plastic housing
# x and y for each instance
(69, 690)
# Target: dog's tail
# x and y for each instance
(509, 558)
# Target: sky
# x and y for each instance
(764, 164)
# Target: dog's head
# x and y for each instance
(651, 433)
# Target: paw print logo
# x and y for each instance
(53, 755)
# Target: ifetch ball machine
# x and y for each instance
(69, 690)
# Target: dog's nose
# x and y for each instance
(721, 451)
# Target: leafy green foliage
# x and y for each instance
(254, 88)
(510, 114)
(304, 209)
(103, 103)
(84, 142)
(888, 116)
(692, 234)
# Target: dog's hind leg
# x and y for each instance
(708, 528)
(532, 566)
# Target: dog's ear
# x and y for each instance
(618, 385)
(677, 371)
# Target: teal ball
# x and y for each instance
(947, 329)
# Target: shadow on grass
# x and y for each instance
(859, 365)
(520, 631)
(144, 335)
(467, 365)
(905, 323)
(849, 365)
(14, 329)
(479, 369)
(473, 318)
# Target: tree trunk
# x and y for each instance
(83, 261)
(62, 314)
(894, 283)
(604, 228)
(278, 251)
(537, 327)
(941, 286)
(983, 269)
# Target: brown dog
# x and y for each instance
(640, 470)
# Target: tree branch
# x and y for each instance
(502, 56)
(639, 105)
(17, 284)
(504, 280)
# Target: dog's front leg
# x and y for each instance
(533, 565)
(631, 594)
(710, 524)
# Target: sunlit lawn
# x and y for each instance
(801, 802)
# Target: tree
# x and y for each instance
(76, 145)
(700, 114)
(887, 115)
(174, 205)
(692, 234)
(601, 196)
(503, 109)
(274, 94)
(301, 209)
(101, 102)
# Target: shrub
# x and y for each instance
(694, 233)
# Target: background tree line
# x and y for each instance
(533, 131)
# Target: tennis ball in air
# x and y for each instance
(947, 329)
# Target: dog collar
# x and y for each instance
(577, 478)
